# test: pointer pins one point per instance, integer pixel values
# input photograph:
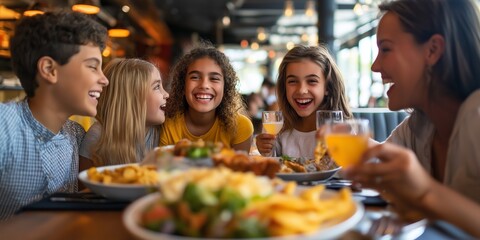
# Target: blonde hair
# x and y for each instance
(122, 111)
(336, 98)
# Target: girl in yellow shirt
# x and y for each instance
(205, 103)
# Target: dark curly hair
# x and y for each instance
(58, 35)
(231, 104)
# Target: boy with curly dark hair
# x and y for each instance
(57, 57)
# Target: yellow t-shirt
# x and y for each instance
(175, 129)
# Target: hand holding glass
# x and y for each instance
(347, 141)
(272, 123)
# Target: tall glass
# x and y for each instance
(324, 116)
(347, 141)
(272, 124)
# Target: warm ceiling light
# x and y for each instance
(304, 37)
(125, 8)
(107, 51)
(36, 9)
(118, 33)
(244, 43)
(87, 6)
(310, 8)
(226, 21)
(271, 54)
(358, 9)
(32, 12)
(288, 8)
(254, 46)
(7, 13)
(290, 45)
(261, 35)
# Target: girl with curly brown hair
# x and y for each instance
(205, 103)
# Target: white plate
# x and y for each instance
(116, 191)
(151, 158)
(131, 220)
(308, 176)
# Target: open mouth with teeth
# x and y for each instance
(204, 97)
(94, 94)
(303, 102)
(163, 107)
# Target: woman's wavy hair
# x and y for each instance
(456, 73)
(122, 111)
(336, 98)
(232, 101)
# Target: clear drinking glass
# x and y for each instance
(272, 124)
(324, 116)
(347, 141)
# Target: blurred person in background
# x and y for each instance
(268, 93)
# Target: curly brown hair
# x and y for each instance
(231, 104)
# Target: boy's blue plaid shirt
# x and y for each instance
(34, 162)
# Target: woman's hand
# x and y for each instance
(398, 172)
(265, 142)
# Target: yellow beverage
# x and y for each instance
(346, 149)
(273, 127)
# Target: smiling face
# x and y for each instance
(156, 100)
(80, 82)
(204, 85)
(401, 62)
(305, 87)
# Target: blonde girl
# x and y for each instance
(308, 80)
(130, 112)
(206, 104)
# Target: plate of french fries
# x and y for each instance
(125, 182)
(214, 203)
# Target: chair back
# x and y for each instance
(382, 120)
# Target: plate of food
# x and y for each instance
(197, 153)
(125, 182)
(306, 170)
(212, 203)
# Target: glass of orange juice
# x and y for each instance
(324, 116)
(272, 124)
(347, 141)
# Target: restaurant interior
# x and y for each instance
(255, 35)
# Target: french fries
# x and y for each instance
(131, 174)
(288, 213)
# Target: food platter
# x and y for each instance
(310, 173)
(152, 158)
(116, 191)
(308, 176)
(132, 218)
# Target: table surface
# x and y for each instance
(65, 225)
(108, 225)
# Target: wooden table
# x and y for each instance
(65, 225)
(74, 225)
